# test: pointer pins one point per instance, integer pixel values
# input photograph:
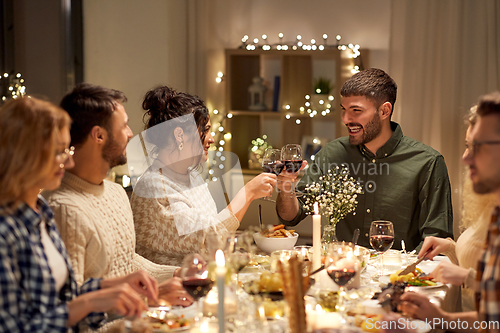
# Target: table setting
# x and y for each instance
(251, 286)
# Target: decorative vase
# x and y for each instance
(329, 236)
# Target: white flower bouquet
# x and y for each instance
(335, 194)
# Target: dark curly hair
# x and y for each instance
(164, 103)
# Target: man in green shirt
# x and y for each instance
(404, 181)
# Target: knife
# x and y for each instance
(411, 267)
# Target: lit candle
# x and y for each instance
(316, 238)
(327, 319)
(220, 271)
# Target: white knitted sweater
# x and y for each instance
(97, 227)
(173, 213)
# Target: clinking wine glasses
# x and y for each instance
(291, 157)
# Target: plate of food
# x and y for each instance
(268, 285)
(415, 279)
(160, 319)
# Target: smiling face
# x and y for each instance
(362, 119)
(209, 140)
(484, 161)
(115, 149)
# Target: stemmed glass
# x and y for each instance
(381, 239)
(196, 279)
(291, 156)
(341, 266)
(271, 163)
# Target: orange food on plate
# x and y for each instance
(277, 231)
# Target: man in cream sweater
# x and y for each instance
(93, 214)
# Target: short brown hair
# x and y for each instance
(489, 104)
(374, 84)
(29, 130)
(90, 105)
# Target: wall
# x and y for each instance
(133, 46)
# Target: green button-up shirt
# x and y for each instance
(405, 182)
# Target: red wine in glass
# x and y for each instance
(341, 276)
(381, 239)
(197, 287)
(292, 165)
(381, 243)
(291, 156)
(273, 167)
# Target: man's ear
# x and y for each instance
(385, 110)
(98, 134)
(179, 135)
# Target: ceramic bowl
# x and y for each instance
(271, 244)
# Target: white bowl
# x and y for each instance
(271, 244)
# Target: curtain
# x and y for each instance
(444, 55)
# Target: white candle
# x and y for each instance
(327, 319)
(316, 238)
(220, 271)
(310, 318)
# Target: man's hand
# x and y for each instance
(287, 179)
(261, 186)
(418, 306)
(139, 281)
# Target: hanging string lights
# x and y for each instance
(12, 86)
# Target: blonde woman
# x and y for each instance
(37, 285)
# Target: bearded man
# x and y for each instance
(92, 214)
(403, 180)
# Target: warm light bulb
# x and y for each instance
(287, 116)
(280, 35)
(299, 37)
(287, 107)
(218, 79)
(307, 96)
(325, 36)
(255, 40)
(227, 136)
(216, 111)
(297, 121)
(313, 41)
(230, 115)
(338, 37)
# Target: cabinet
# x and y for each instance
(297, 70)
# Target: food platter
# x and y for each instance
(385, 279)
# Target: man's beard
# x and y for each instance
(112, 152)
(370, 131)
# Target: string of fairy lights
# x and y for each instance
(321, 106)
(12, 86)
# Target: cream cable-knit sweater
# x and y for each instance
(97, 226)
(173, 213)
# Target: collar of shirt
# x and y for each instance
(31, 218)
(389, 147)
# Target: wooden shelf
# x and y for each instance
(297, 71)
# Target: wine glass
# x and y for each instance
(237, 249)
(381, 239)
(195, 277)
(291, 156)
(271, 163)
(341, 265)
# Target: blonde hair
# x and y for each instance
(29, 132)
